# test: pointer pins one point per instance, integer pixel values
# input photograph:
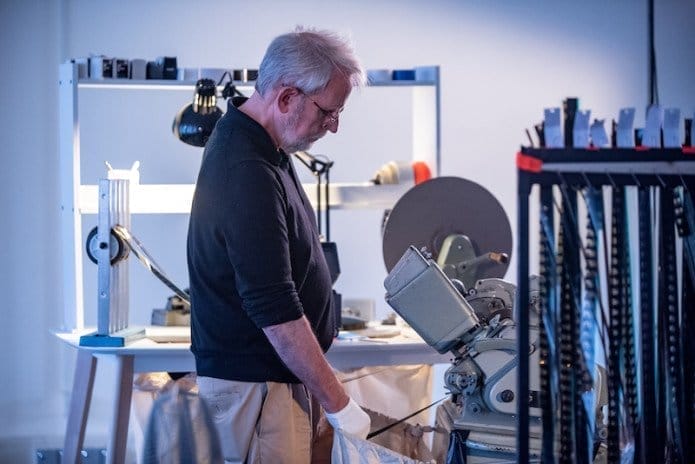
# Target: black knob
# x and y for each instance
(506, 396)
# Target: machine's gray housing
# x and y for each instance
(416, 287)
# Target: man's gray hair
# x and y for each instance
(306, 59)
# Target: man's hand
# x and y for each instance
(296, 345)
(351, 419)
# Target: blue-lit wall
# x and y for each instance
(501, 62)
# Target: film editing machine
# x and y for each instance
(447, 286)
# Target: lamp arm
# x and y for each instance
(316, 166)
(307, 160)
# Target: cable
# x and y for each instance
(384, 429)
(653, 87)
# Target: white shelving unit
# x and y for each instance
(78, 199)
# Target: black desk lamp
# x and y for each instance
(195, 122)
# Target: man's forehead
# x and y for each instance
(337, 90)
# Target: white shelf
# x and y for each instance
(149, 84)
(172, 84)
(177, 198)
(79, 199)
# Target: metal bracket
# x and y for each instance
(112, 278)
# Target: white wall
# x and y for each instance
(31, 361)
(502, 62)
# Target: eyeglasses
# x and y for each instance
(332, 116)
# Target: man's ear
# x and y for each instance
(285, 97)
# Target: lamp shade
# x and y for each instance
(195, 122)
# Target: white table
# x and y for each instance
(146, 355)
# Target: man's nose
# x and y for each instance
(332, 125)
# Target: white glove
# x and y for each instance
(351, 419)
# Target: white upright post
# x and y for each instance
(71, 221)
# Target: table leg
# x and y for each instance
(79, 406)
(115, 453)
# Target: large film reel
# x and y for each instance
(432, 211)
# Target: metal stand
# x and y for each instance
(656, 175)
(113, 283)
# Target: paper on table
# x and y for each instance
(169, 334)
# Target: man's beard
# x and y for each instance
(290, 142)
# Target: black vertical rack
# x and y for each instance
(660, 410)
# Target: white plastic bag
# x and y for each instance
(349, 449)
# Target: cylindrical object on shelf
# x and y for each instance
(403, 172)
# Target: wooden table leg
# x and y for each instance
(79, 406)
(116, 451)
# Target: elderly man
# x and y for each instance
(260, 287)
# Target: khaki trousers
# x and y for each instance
(261, 423)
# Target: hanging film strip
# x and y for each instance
(685, 225)
(617, 305)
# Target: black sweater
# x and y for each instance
(254, 256)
